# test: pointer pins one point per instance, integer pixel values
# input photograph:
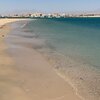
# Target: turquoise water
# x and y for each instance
(72, 46)
(78, 37)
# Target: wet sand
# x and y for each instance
(26, 75)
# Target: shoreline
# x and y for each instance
(7, 66)
(7, 20)
(27, 88)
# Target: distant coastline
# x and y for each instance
(27, 18)
(51, 15)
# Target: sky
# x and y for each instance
(49, 5)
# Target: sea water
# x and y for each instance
(72, 46)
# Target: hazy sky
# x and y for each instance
(49, 5)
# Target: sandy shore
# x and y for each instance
(27, 75)
(6, 20)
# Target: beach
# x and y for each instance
(50, 59)
(25, 74)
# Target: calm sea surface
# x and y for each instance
(77, 37)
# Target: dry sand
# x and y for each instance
(6, 20)
(28, 76)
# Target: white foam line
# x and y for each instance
(27, 23)
(23, 25)
(70, 83)
(76, 90)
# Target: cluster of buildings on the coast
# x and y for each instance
(51, 15)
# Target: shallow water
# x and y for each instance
(75, 37)
(72, 46)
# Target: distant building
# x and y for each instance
(37, 15)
